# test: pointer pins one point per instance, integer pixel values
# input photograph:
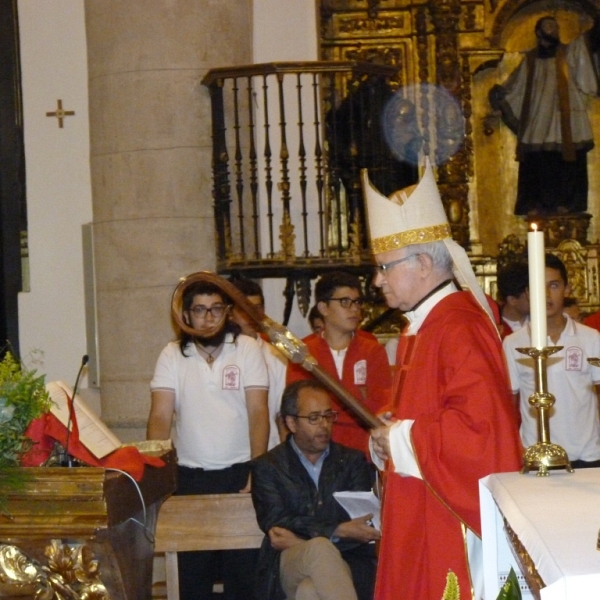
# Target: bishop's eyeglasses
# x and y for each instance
(315, 418)
(384, 269)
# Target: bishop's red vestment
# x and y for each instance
(451, 379)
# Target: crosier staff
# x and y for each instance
(281, 337)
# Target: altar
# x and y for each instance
(547, 529)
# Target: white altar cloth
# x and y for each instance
(556, 518)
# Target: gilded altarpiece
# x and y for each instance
(467, 46)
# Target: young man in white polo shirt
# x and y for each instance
(213, 387)
(575, 384)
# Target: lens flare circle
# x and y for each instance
(410, 109)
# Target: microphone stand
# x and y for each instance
(68, 459)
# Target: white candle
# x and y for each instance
(537, 286)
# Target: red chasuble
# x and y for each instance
(366, 375)
(452, 381)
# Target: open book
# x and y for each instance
(93, 433)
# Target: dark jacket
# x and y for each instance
(284, 495)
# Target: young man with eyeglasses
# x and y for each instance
(214, 387)
(352, 356)
(312, 549)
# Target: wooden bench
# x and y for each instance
(210, 522)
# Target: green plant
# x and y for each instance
(23, 397)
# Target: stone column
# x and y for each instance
(151, 175)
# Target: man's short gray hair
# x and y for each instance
(440, 256)
(289, 400)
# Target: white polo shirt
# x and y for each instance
(574, 420)
(277, 369)
(211, 419)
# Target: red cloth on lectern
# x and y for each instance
(46, 429)
(374, 393)
(452, 381)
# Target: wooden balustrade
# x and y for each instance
(289, 141)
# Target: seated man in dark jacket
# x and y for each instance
(311, 547)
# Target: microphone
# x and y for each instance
(68, 461)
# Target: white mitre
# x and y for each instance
(415, 215)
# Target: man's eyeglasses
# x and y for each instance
(216, 310)
(348, 302)
(383, 269)
(315, 418)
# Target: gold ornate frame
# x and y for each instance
(466, 46)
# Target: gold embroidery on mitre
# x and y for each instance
(424, 235)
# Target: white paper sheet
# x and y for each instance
(359, 504)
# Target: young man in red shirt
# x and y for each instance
(352, 356)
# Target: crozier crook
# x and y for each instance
(281, 337)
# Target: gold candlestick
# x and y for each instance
(544, 454)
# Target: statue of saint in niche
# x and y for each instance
(544, 103)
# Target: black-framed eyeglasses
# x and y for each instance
(347, 302)
(315, 418)
(216, 310)
(383, 269)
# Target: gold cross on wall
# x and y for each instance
(60, 113)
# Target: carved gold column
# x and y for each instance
(453, 173)
(422, 52)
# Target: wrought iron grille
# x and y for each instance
(288, 143)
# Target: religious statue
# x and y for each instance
(544, 103)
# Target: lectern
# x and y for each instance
(83, 530)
